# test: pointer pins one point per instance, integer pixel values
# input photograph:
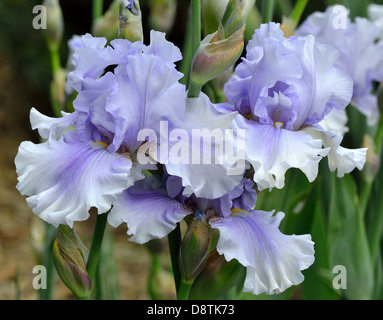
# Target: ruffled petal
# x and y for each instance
(341, 159)
(203, 170)
(143, 102)
(162, 48)
(90, 60)
(273, 260)
(279, 64)
(64, 180)
(322, 86)
(51, 127)
(272, 151)
(336, 122)
(149, 214)
(360, 54)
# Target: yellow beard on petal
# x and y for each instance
(100, 145)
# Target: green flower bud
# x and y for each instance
(55, 24)
(69, 255)
(213, 11)
(194, 249)
(220, 50)
(215, 55)
(107, 25)
(234, 17)
(217, 278)
(130, 21)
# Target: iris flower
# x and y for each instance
(359, 53)
(90, 156)
(282, 90)
(272, 259)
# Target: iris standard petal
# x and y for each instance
(360, 55)
(203, 167)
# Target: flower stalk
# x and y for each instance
(97, 10)
(220, 50)
(95, 247)
(69, 256)
(194, 88)
(174, 239)
(130, 21)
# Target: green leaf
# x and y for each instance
(289, 197)
(378, 290)
(348, 245)
(315, 286)
(106, 278)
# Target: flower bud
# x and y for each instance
(217, 278)
(130, 21)
(288, 26)
(372, 165)
(213, 11)
(107, 25)
(220, 50)
(57, 88)
(194, 249)
(69, 256)
(162, 14)
(234, 17)
(55, 24)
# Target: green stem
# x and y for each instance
(376, 232)
(56, 67)
(195, 25)
(55, 60)
(95, 247)
(365, 196)
(184, 291)
(175, 240)
(97, 10)
(379, 138)
(54, 103)
(267, 10)
(298, 10)
(194, 89)
(367, 187)
(185, 63)
(51, 234)
(155, 268)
